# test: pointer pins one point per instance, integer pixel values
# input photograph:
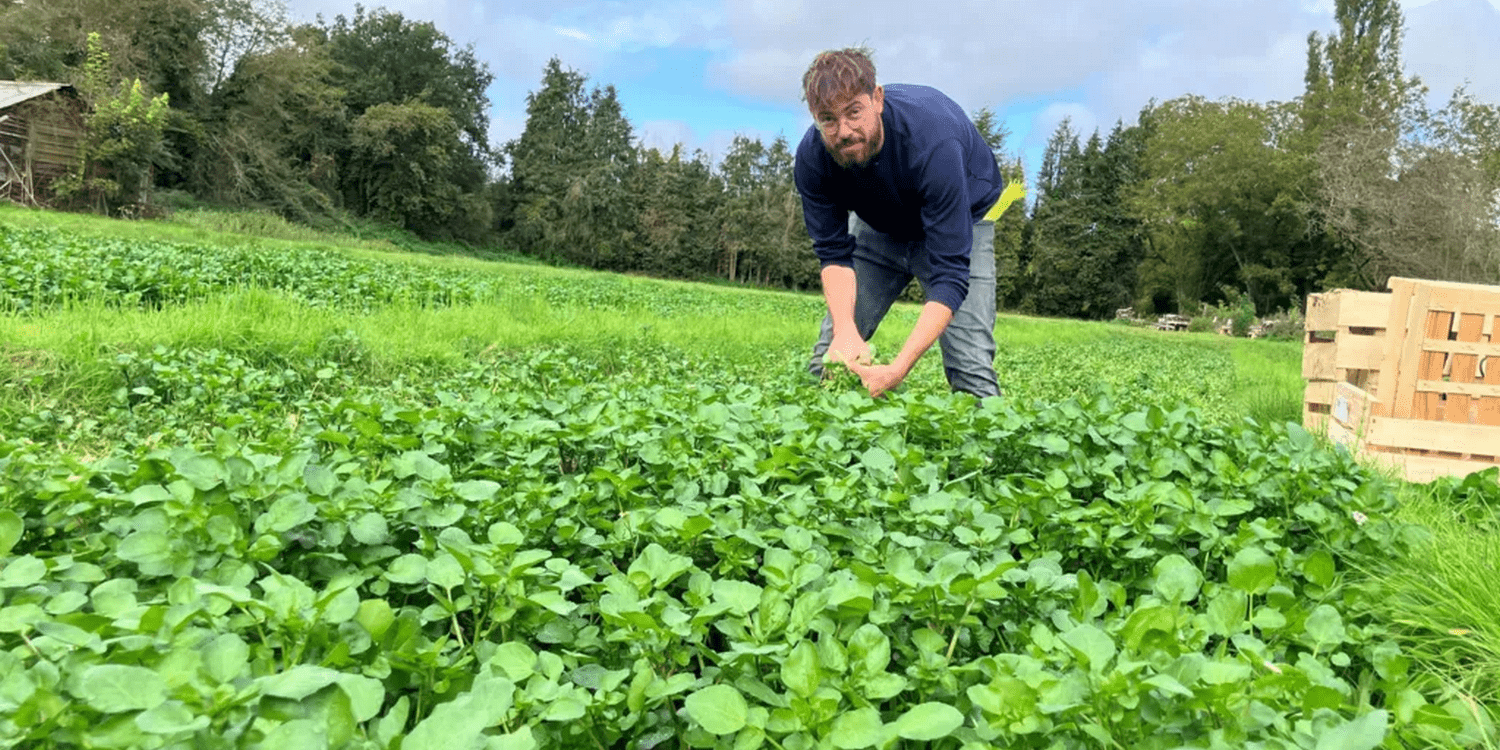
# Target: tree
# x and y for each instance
(275, 132)
(677, 197)
(761, 232)
(124, 139)
(403, 157)
(1221, 206)
(405, 81)
(1357, 107)
(568, 171)
(238, 29)
(1432, 211)
(384, 58)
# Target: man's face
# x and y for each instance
(851, 129)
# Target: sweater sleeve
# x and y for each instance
(827, 224)
(948, 224)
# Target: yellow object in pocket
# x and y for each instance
(1012, 193)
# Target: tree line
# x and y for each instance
(382, 117)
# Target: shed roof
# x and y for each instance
(15, 92)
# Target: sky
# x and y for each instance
(700, 72)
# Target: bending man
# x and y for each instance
(895, 181)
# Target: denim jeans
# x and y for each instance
(882, 269)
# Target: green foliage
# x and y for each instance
(1440, 595)
(1219, 201)
(538, 548)
(1082, 248)
(569, 172)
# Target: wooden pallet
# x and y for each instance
(1416, 392)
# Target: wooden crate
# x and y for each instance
(1345, 343)
(1416, 392)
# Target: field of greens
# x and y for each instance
(276, 495)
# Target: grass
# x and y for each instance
(1445, 597)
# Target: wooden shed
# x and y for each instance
(41, 134)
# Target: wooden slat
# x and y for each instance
(1319, 392)
(1351, 407)
(1487, 410)
(1357, 352)
(1318, 360)
(1478, 347)
(1456, 390)
(1420, 434)
(1397, 316)
(1430, 366)
(1322, 312)
(1422, 469)
(1342, 435)
(1441, 285)
(1363, 309)
(1409, 350)
(1465, 369)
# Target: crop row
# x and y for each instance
(40, 269)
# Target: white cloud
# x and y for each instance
(573, 33)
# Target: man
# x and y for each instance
(918, 178)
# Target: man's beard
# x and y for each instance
(868, 149)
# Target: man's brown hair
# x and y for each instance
(837, 75)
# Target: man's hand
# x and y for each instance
(879, 379)
(850, 350)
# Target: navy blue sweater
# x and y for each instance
(933, 179)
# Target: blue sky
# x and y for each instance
(701, 72)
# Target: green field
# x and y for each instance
(299, 491)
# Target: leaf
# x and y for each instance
(22, 571)
(1093, 644)
(857, 729)
(1325, 625)
(1319, 568)
(565, 709)
(225, 657)
(298, 682)
(477, 491)
(720, 709)
(409, 568)
(928, 721)
(145, 548)
(870, 649)
(299, 734)
(878, 460)
(113, 688)
(170, 717)
(521, 739)
(149, 493)
(444, 571)
(11, 529)
(1177, 580)
(320, 480)
(516, 660)
(366, 694)
(288, 512)
(203, 472)
(741, 596)
(1252, 571)
(370, 528)
(1364, 733)
(375, 616)
(801, 672)
(660, 565)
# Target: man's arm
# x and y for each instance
(839, 289)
